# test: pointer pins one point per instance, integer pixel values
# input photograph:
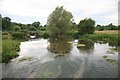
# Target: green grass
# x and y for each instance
(112, 39)
(105, 57)
(80, 45)
(111, 60)
(10, 49)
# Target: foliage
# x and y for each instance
(59, 22)
(6, 35)
(43, 34)
(36, 24)
(112, 39)
(16, 28)
(85, 43)
(6, 23)
(86, 26)
(32, 28)
(10, 49)
(107, 27)
(19, 35)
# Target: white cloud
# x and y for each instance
(42, 8)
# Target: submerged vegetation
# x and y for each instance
(25, 58)
(59, 46)
(86, 43)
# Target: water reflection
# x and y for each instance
(88, 46)
(59, 46)
(43, 64)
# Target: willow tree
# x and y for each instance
(59, 22)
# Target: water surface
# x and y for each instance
(37, 61)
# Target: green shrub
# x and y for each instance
(19, 35)
(100, 29)
(45, 35)
(16, 28)
(86, 26)
(32, 28)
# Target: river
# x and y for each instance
(36, 61)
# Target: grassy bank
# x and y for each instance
(110, 36)
(9, 50)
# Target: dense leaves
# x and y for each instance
(6, 23)
(86, 26)
(59, 22)
(36, 24)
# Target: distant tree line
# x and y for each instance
(7, 25)
(60, 22)
(107, 27)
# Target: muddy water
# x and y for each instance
(36, 61)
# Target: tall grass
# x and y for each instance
(112, 39)
(9, 50)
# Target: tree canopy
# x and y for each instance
(36, 24)
(59, 22)
(86, 26)
(6, 23)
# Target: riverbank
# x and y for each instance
(10, 49)
(11, 43)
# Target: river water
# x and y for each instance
(36, 61)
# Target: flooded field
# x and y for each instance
(42, 58)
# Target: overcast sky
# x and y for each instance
(28, 11)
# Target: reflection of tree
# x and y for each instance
(59, 45)
(88, 48)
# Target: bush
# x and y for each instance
(100, 29)
(45, 35)
(19, 35)
(32, 28)
(16, 28)
(86, 26)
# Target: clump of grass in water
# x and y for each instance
(85, 43)
(25, 58)
(110, 52)
(105, 57)
(80, 45)
(115, 49)
(111, 60)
